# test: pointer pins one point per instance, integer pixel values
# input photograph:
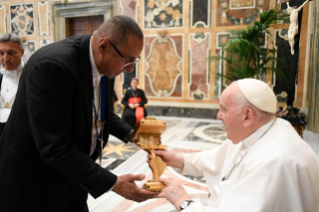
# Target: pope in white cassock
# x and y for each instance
(264, 165)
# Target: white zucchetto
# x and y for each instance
(259, 94)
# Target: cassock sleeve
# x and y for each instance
(125, 98)
(192, 165)
(144, 99)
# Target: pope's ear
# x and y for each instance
(249, 117)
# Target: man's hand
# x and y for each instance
(173, 192)
(132, 106)
(172, 159)
(126, 187)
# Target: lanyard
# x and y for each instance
(103, 101)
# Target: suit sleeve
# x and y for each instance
(50, 91)
(119, 128)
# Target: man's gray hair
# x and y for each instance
(242, 103)
(118, 28)
(6, 37)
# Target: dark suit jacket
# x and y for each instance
(45, 146)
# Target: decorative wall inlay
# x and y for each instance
(163, 66)
(130, 8)
(3, 18)
(199, 65)
(220, 82)
(43, 15)
(21, 19)
(44, 43)
(163, 14)
(241, 4)
(29, 49)
(239, 12)
(200, 13)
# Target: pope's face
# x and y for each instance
(10, 55)
(110, 63)
(228, 113)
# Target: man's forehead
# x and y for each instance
(9, 45)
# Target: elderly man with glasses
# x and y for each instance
(61, 121)
(262, 166)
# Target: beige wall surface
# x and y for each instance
(179, 37)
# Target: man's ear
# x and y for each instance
(249, 117)
(103, 44)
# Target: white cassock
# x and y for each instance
(279, 173)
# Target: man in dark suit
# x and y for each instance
(55, 131)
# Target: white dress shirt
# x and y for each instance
(9, 87)
(97, 88)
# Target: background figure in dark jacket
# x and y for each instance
(134, 101)
(56, 131)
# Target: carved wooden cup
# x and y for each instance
(148, 130)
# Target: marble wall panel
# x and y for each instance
(129, 8)
(163, 66)
(29, 48)
(44, 42)
(239, 12)
(200, 13)
(220, 65)
(43, 15)
(22, 19)
(163, 14)
(199, 65)
(3, 19)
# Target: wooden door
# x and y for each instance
(83, 25)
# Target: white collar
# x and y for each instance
(95, 72)
(18, 69)
(255, 136)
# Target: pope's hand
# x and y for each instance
(173, 192)
(172, 159)
(126, 187)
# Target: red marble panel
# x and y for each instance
(199, 46)
(239, 12)
(129, 8)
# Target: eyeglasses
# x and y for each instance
(127, 63)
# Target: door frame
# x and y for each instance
(107, 8)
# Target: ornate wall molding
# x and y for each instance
(3, 23)
(80, 9)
